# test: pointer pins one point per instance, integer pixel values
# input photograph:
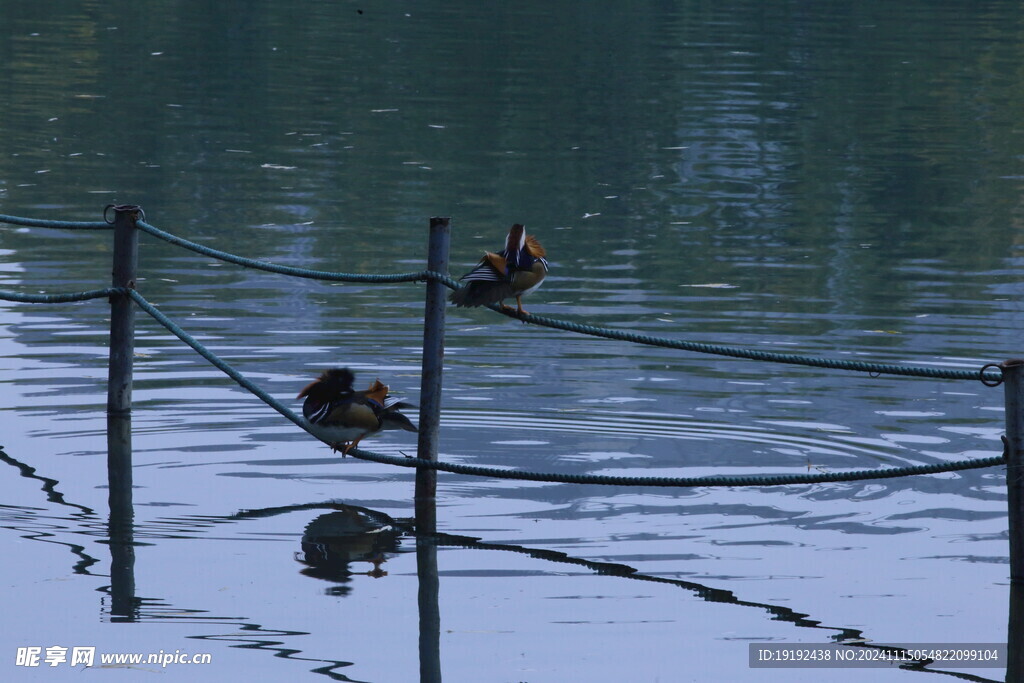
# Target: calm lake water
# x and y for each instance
(834, 179)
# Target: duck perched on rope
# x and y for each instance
(343, 417)
(516, 270)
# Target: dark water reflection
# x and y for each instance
(831, 178)
(344, 536)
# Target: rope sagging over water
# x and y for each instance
(754, 354)
(275, 268)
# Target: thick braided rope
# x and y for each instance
(64, 225)
(216, 361)
(750, 354)
(274, 268)
(455, 468)
(717, 480)
(60, 298)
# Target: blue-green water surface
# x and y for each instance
(832, 179)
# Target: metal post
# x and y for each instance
(122, 310)
(119, 404)
(1013, 386)
(433, 357)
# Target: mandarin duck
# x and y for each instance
(342, 416)
(516, 271)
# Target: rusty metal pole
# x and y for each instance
(119, 376)
(1013, 387)
(120, 526)
(433, 358)
(122, 309)
(426, 480)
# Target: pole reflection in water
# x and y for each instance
(123, 606)
(333, 542)
(1015, 635)
(426, 570)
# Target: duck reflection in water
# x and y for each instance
(334, 542)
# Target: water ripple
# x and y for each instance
(672, 427)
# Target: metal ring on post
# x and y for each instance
(123, 207)
(987, 382)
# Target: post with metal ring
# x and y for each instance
(433, 358)
(123, 603)
(1013, 387)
